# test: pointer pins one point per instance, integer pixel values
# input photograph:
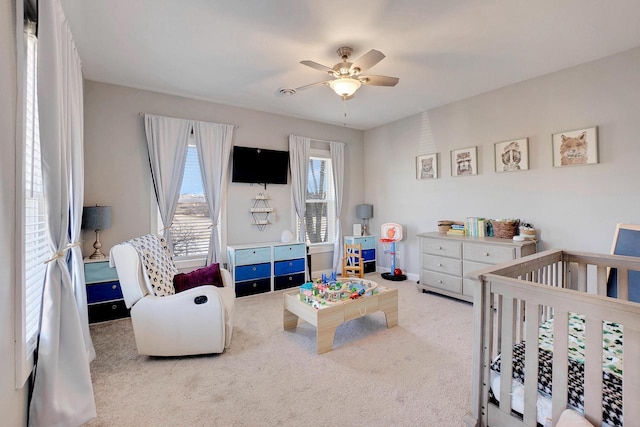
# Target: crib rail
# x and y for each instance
(513, 299)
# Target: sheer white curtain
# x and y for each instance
(337, 162)
(213, 142)
(167, 140)
(299, 163)
(63, 393)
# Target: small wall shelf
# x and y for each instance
(261, 211)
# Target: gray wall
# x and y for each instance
(117, 166)
(13, 403)
(572, 207)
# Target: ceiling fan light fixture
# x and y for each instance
(345, 86)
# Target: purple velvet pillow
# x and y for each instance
(209, 275)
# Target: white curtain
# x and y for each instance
(76, 201)
(299, 164)
(337, 162)
(63, 393)
(213, 142)
(167, 140)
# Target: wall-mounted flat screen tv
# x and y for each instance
(259, 165)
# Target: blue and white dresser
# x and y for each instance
(104, 296)
(266, 267)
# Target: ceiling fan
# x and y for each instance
(346, 76)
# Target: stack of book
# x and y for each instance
(457, 229)
(475, 226)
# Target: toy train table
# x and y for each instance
(326, 309)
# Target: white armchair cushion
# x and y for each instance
(158, 264)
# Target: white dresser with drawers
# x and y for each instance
(446, 260)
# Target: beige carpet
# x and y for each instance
(415, 374)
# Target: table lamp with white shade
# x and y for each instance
(96, 218)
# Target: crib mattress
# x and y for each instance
(611, 372)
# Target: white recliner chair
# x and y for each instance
(195, 321)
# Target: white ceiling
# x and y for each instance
(241, 52)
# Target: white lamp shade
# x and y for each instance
(345, 86)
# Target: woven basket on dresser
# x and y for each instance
(505, 229)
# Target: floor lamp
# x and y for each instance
(96, 218)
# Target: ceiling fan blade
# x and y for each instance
(317, 66)
(368, 60)
(379, 80)
(326, 82)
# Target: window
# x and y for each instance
(33, 236)
(191, 227)
(320, 212)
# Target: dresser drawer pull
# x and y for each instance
(440, 281)
(439, 264)
(114, 306)
(486, 254)
(114, 286)
(362, 313)
(255, 285)
(439, 247)
(290, 264)
(254, 269)
(290, 278)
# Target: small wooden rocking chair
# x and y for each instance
(352, 262)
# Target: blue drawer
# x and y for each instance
(368, 255)
(367, 242)
(253, 256)
(289, 281)
(253, 287)
(101, 292)
(294, 251)
(96, 272)
(287, 267)
(257, 271)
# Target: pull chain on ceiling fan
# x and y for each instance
(347, 77)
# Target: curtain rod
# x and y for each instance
(319, 140)
(143, 114)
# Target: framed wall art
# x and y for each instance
(427, 166)
(464, 161)
(576, 147)
(512, 155)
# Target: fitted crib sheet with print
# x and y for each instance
(612, 362)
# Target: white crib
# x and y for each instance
(512, 303)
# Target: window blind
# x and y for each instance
(191, 227)
(35, 238)
(320, 202)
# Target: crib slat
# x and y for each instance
(582, 277)
(593, 370)
(623, 284)
(506, 361)
(602, 280)
(631, 375)
(531, 364)
(498, 336)
(560, 362)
